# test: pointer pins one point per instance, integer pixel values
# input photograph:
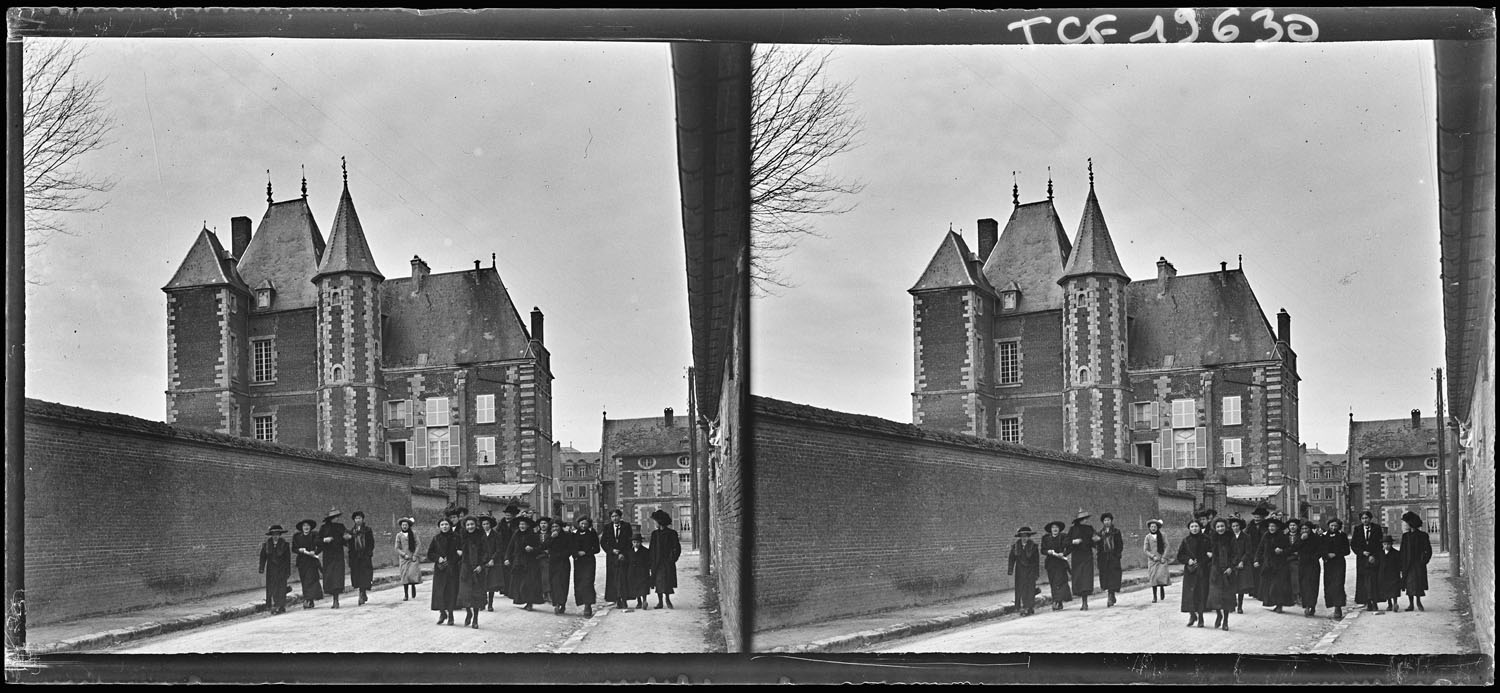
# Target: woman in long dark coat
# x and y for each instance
(1221, 581)
(443, 552)
(1193, 554)
(1308, 548)
(637, 572)
(1275, 575)
(1081, 541)
(585, 547)
(666, 548)
(361, 556)
(505, 528)
(1111, 545)
(473, 586)
(1335, 547)
(1293, 531)
(1158, 575)
(334, 536)
(558, 547)
(1055, 548)
(309, 567)
(1416, 551)
(1244, 562)
(1025, 560)
(494, 568)
(1389, 582)
(276, 565)
(525, 560)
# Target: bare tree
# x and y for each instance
(64, 117)
(799, 119)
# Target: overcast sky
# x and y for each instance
(1314, 161)
(558, 157)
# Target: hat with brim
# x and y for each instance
(525, 519)
(585, 518)
(1082, 515)
(490, 519)
(1388, 539)
(662, 517)
(275, 529)
(1261, 512)
(637, 539)
(1156, 522)
(1412, 519)
(1024, 532)
(1055, 523)
(313, 523)
(408, 520)
(511, 509)
(332, 514)
(1274, 521)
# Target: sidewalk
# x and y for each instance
(848, 634)
(682, 629)
(99, 632)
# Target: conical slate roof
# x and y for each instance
(1093, 251)
(347, 250)
(951, 267)
(286, 250)
(205, 266)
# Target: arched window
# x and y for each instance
(338, 373)
(1083, 375)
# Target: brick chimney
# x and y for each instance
(667, 418)
(419, 271)
(1416, 419)
(989, 235)
(536, 324)
(1164, 273)
(1284, 327)
(239, 236)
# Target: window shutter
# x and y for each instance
(1202, 447)
(456, 445)
(1156, 455)
(410, 406)
(1166, 449)
(419, 456)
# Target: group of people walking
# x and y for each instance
(1281, 562)
(320, 559)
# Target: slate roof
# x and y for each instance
(1031, 252)
(347, 250)
(952, 266)
(1203, 319)
(456, 317)
(205, 266)
(285, 250)
(1093, 251)
(650, 436)
(1392, 438)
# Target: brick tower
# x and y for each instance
(207, 308)
(953, 304)
(1096, 388)
(350, 384)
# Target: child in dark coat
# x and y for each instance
(637, 572)
(1388, 582)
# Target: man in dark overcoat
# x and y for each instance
(1081, 541)
(1256, 530)
(334, 536)
(276, 565)
(506, 529)
(615, 540)
(361, 556)
(1364, 543)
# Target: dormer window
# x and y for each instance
(263, 298)
(1009, 300)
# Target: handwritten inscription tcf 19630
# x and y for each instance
(1230, 25)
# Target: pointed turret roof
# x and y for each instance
(347, 250)
(285, 250)
(952, 266)
(1093, 251)
(1030, 254)
(205, 265)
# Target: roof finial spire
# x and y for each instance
(344, 164)
(950, 227)
(268, 186)
(304, 181)
(1242, 261)
(1049, 183)
(492, 261)
(1015, 190)
(1091, 173)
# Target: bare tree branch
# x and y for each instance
(799, 120)
(64, 117)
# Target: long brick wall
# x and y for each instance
(856, 514)
(1476, 501)
(124, 513)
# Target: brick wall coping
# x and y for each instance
(89, 418)
(428, 491)
(765, 407)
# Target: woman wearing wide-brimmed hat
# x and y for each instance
(309, 563)
(1110, 544)
(408, 563)
(1024, 562)
(1193, 554)
(472, 557)
(276, 565)
(494, 569)
(1081, 541)
(1308, 548)
(585, 547)
(1416, 551)
(666, 548)
(334, 537)
(524, 558)
(443, 552)
(1335, 547)
(557, 546)
(1275, 571)
(1389, 582)
(361, 556)
(1055, 550)
(1158, 575)
(1221, 572)
(1244, 562)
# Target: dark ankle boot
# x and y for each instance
(588, 610)
(1200, 619)
(1419, 605)
(1085, 603)
(1192, 618)
(1218, 618)
(1338, 613)
(669, 603)
(1225, 625)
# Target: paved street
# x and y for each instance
(1134, 624)
(388, 624)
